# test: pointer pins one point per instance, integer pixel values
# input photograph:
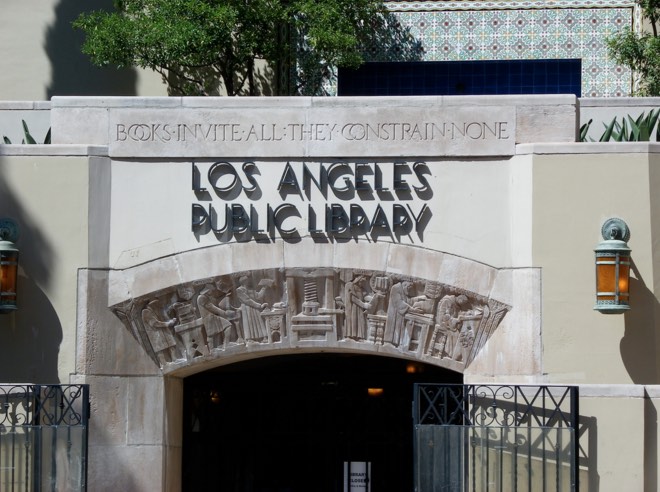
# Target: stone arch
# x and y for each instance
(213, 306)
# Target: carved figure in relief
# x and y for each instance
(426, 302)
(400, 304)
(357, 305)
(469, 327)
(466, 340)
(216, 313)
(379, 286)
(376, 315)
(183, 307)
(254, 326)
(189, 327)
(160, 333)
(449, 320)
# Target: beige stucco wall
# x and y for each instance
(23, 25)
(573, 195)
(41, 55)
(613, 437)
(47, 195)
(610, 356)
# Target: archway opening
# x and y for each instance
(289, 423)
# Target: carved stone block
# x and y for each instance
(420, 319)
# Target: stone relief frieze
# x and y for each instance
(298, 307)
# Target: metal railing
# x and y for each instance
(496, 437)
(43, 437)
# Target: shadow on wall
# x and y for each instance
(72, 71)
(638, 345)
(30, 337)
(588, 454)
(388, 42)
(263, 78)
(650, 444)
(394, 42)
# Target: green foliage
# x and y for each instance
(641, 51)
(197, 44)
(584, 129)
(28, 136)
(629, 130)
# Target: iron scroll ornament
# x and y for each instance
(495, 405)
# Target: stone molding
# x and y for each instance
(66, 150)
(385, 300)
(313, 307)
(589, 148)
(314, 127)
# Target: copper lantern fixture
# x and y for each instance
(613, 268)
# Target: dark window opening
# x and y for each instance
(484, 77)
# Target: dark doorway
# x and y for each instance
(288, 423)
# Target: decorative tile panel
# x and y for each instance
(471, 30)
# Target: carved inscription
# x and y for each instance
(297, 132)
(417, 318)
(335, 130)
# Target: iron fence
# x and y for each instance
(496, 437)
(43, 437)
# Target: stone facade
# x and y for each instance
(127, 286)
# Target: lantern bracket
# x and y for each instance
(615, 228)
(8, 230)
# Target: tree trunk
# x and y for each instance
(250, 75)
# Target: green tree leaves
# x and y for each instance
(196, 45)
(641, 52)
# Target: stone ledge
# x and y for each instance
(299, 101)
(588, 148)
(612, 390)
(59, 102)
(24, 105)
(53, 150)
(619, 102)
(334, 127)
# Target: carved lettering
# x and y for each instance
(342, 198)
(405, 131)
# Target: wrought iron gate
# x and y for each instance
(493, 438)
(43, 437)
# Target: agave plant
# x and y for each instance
(629, 130)
(584, 129)
(29, 139)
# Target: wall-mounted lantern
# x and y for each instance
(613, 268)
(8, 265)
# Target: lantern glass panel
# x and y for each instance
(624, 274)
(8, 275)
(606, 278)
